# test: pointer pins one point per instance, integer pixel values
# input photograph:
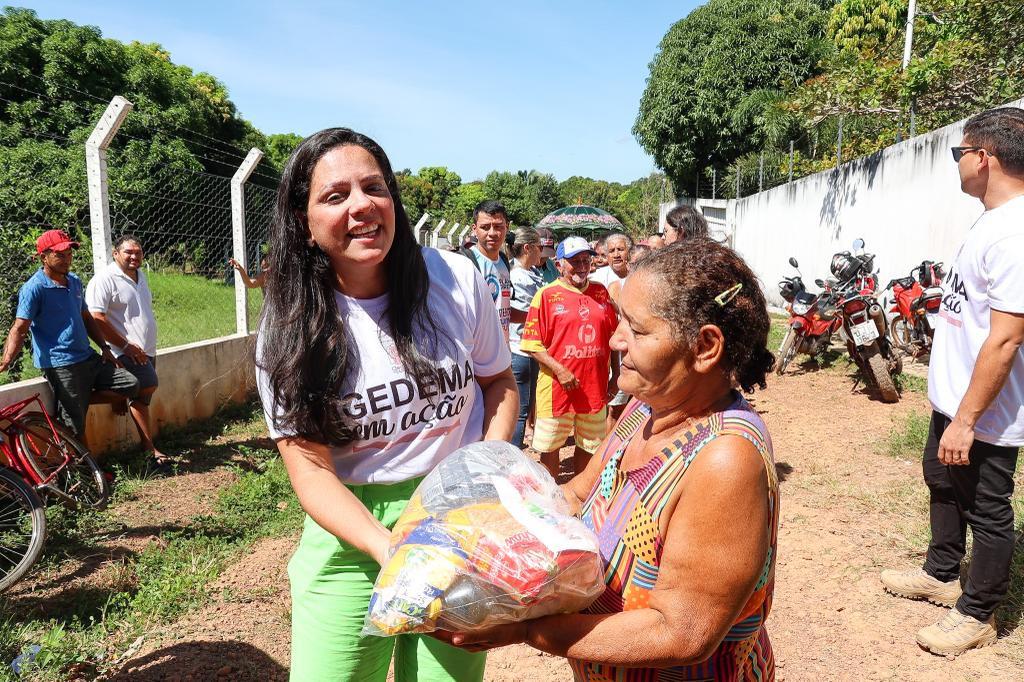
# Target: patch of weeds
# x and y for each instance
(910, 382)
(165, 580)
(907, 440)
(777, 331)
(904, 508)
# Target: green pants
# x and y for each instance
(331, 583)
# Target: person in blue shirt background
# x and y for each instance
(51, 305)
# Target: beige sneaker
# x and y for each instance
(956, 633)
(917, 584)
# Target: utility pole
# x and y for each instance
(791, 161)
(908, 44)
(839, 144)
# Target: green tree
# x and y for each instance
(638, 204)
(966, 57)
(431, 190)
(714, 69)
(589, 192)
(279, 147)
(528, 196)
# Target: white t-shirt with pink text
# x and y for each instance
(399, 432)
(987, 274)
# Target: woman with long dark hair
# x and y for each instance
(376, 358)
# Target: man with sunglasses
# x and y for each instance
(976, 387)
(51, 305)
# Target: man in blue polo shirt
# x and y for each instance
(52, 307)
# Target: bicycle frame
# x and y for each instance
(11, 450)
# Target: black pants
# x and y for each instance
(977, 495)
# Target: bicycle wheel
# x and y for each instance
(22, 527)
(81, 480)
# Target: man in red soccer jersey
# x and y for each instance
(567, 330)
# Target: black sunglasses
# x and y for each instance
(958, 152)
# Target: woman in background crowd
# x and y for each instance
(526, 280)
(684, 222)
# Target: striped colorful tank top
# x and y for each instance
(624, 510)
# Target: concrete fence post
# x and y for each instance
(419, 226)
(714, 183)
(760, 173)
(737, 179)
(436, 234)
(96, 172)
(238, 245)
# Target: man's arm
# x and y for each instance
(93, 330)
(1006, 334)
(112, 336)
(15, 342)
(565, 377)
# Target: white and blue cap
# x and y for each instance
(570, 246)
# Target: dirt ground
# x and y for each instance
(848, 510)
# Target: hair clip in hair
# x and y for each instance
(723, 298)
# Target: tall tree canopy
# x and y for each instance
(715, 65)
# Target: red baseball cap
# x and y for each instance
(55, 240)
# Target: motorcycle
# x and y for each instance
(813, 319)
(914, 301)
(864, 325)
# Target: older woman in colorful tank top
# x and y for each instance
(683, 494)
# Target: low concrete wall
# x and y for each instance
(195, 381)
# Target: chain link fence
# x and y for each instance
(178, 210)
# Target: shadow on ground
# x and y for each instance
(203, 660)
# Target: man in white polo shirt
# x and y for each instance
(120, 301)
(976, 387)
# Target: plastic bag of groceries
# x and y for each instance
(487, 539)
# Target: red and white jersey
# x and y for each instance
(574, 327)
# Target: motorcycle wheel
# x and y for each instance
(878, 372)
(787, 351)
(901, 334)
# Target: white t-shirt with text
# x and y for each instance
(499, 283)
(987, 274)
(127, 305)
(398, 432)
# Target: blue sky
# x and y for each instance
(552, 86)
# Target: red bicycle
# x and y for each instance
(39, 460)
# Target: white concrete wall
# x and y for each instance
(195, 381)
(718, 213)
(905, 202)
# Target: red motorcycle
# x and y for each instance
(913, 301)
(812, 320)
(865, 327)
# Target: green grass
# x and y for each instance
(911, 383)
(188, 308)
(780, 323)
(87, 631)
(906, 441)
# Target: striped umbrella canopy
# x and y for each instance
(580, 220)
